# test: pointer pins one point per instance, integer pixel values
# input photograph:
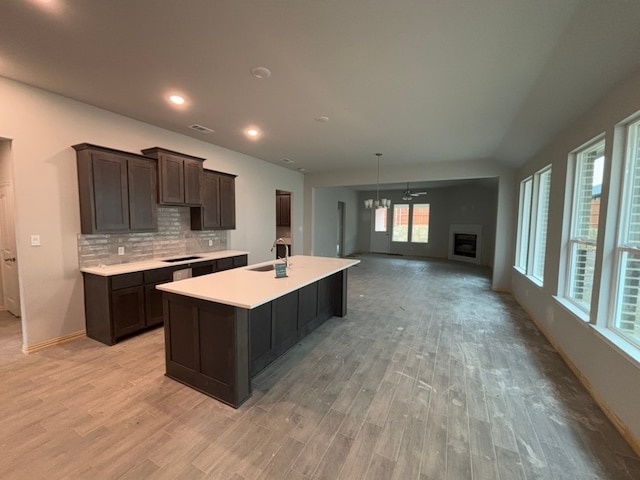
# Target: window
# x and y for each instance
(400, 223)
(626, 319)
(412, 218)
(532, 224)
(380, 219)
(585, 215)
(420, 223)
(524, 223)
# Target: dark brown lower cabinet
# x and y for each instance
(121, 305)
(217, 348)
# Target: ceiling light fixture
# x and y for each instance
(322, 119)
(177, 99)
(377, 203)
(261, 72)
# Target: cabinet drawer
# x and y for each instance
(240, 261)
(126, 280)
(158, 275)
(224, 264)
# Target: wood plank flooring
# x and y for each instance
(430, 376)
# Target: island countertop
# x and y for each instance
(245, 288)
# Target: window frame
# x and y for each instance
(622, 247)
(574, 240)
(532, 219)
(410, 218)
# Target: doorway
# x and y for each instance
(340, 236)
(283, 222)
(10, 288)
(380, 235)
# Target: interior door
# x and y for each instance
(8, 259)
(380, 233)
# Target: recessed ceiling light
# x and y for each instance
(261, 72)
(177, 99)
(252, 132)
(302, 169)
(321, 119)
(287, 160)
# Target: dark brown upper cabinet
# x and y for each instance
(180, 176)
(283, 210)
(118, 190)
(218, 210)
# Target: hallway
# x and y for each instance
(430, 376)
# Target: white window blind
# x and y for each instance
(626, 319)
(524, 223)
(543, 187)
(585, 216)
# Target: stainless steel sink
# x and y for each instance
(263, 268)
(181, 259)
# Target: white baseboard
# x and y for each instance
(49, 343)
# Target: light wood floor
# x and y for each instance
(430, 376)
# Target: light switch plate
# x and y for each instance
(35, 240)
(120, 250)
(211, 243)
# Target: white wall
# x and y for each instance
(42, 127)
(612, 375)
(471, 204)
(446, 170)
(325, 221)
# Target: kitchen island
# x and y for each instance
(222, 329)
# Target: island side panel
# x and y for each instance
(340, 295)
(206, 346)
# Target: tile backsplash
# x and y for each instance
(174, 237)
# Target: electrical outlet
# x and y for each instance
(120, 250)
(211, 243)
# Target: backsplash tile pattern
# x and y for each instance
(174, 237)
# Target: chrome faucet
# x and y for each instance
(286, 249)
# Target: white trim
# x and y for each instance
(27, 349)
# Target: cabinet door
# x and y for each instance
(192, 180)
(207, 217)
(227, 202)
(127, 310)
(171, 179)
(153, 304)
(111, 207)
(143, 187)
(285, 210)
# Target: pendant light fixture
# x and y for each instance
(377, 203)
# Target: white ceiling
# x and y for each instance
(419, 80)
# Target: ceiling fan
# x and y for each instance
(408, 194)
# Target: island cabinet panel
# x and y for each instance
(117, 190)
(286, 322)
(206, 345)
(261, 337)
(180, 176)
(307, 305)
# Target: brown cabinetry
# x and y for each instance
(118, 190)
(283, 210)
(120, 305)
(180, 176)
(218, 210)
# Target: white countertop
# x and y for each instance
(244, 288)
(108, 270)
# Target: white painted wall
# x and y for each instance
(325, 220)
(42, 127)
(504, 216)
(611, 374)
(473, 204)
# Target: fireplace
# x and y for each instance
(465, 243)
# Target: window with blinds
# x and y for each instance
(533, 219)
(626, 319)
(524, 223)
(543, 180)
(411, 219)
(585, 216)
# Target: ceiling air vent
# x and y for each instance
(200, 128)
